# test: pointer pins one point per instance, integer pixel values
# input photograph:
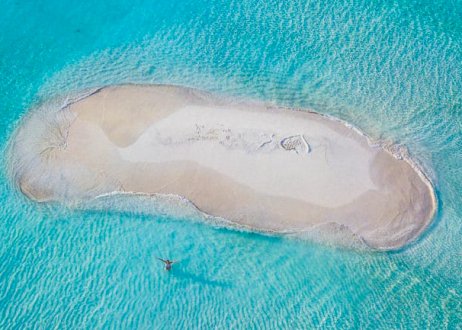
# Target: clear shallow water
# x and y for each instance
(392, 68)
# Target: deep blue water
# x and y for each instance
(392, 68)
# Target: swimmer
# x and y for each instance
(168, 263)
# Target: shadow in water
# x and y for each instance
(199, 278)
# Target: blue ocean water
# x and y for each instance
(392, 68)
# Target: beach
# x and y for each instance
(258, 166)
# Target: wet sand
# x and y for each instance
(267, 168)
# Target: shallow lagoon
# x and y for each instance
(393, 69)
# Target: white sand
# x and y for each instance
(270, 169)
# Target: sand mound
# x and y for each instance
(262, 167)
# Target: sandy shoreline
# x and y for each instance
(266, 168)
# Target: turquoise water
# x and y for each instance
(393, 68)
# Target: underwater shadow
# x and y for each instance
(198, 278)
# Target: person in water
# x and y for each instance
(168, 263)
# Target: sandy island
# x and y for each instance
(267, 168)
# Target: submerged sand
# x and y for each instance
(266, 168)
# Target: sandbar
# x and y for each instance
(259, 166)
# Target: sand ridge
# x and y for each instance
(267, 168)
